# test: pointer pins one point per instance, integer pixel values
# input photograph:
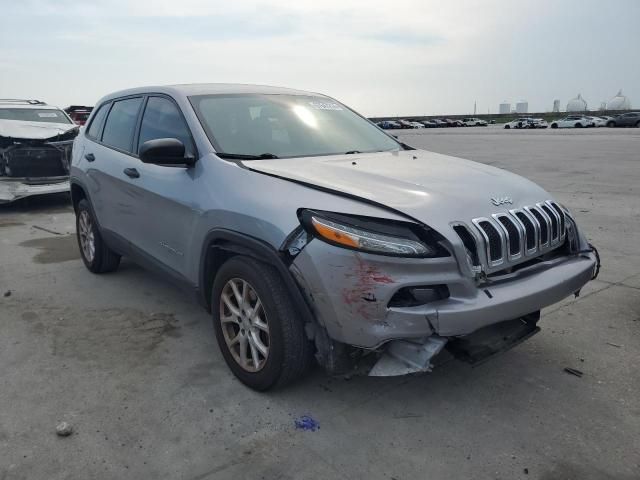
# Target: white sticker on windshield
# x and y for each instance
(325, 105)
(47, 114)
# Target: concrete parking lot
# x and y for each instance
(131, 362)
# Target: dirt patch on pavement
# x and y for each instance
(110, 338)
(9, 223)
(54, 249)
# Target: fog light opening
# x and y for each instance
(418, 295)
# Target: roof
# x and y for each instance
(208, 89)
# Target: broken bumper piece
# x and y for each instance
(402, 357)
(14, 189)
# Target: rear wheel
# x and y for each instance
(611, 124)
(96, 255)
(507, 127)
(261, 337)
(578, 125)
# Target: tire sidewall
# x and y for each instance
(239, 267)
(84, 205)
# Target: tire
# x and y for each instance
(276, 325)
(638, 124)
(554, 125)
(507, 127)
(611, 124)
(96, 255)
(578, 125)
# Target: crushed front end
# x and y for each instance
(34, 166)
(478, 294)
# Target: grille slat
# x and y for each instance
(513, 235)
(529, 229)
(521, 233)
(544, 226)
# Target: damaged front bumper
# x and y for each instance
(361, 300)
(12, 189)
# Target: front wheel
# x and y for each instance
(96, 255)
(507, 127)
(261, 337)
(578, 125)
(554, 125)
(611, 124)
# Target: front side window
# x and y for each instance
(286, 126)
(42, 115)
(121, 124)
(162, 119)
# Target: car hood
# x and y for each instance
(429, 187)
(33, 130)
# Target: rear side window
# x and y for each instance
(121, 124)
(162, 119)
(98, 120)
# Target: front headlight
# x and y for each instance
(383, 237)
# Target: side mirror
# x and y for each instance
(165, 151)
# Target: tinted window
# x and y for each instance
(162, 119)
(98, 120)
(121, 123)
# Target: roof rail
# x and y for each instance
(22, 101)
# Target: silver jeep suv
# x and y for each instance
(309, 233)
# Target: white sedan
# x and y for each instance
(598, 121)
(572, 121)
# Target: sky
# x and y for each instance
(382, 58)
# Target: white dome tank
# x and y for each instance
(619, 102)
(577, 104)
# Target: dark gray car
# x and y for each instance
(309, 233)
(630, 119)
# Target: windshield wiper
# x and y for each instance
(242, 156)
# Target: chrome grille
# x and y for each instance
(520, 234)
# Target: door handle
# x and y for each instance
(131, 172)
(90, 157)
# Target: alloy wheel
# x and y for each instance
(244, 324)
(87, 239)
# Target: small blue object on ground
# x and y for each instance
(306, 422)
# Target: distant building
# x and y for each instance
(505, 107)
(556, 106)
(619, 102)
(522, 106)
(577, 104)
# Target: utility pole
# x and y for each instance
(474, 107)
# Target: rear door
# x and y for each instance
(113, 191)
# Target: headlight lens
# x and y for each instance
(346, 232)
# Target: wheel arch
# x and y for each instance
(78, 192)
(221, 244)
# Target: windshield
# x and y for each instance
(45, 115)
(286, 126)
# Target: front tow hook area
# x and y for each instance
(481, 345)
(407, 356)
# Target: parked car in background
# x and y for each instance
(429, 123)
(630, 119)
(416, 124)
(597, 121)
(35, 149)
(405, 124)
(389, 124)
(361, 250)
(78, 113)
(527, 122)
(440, 123)
(571, 121)
(474, 122)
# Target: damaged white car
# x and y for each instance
(35, 149)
